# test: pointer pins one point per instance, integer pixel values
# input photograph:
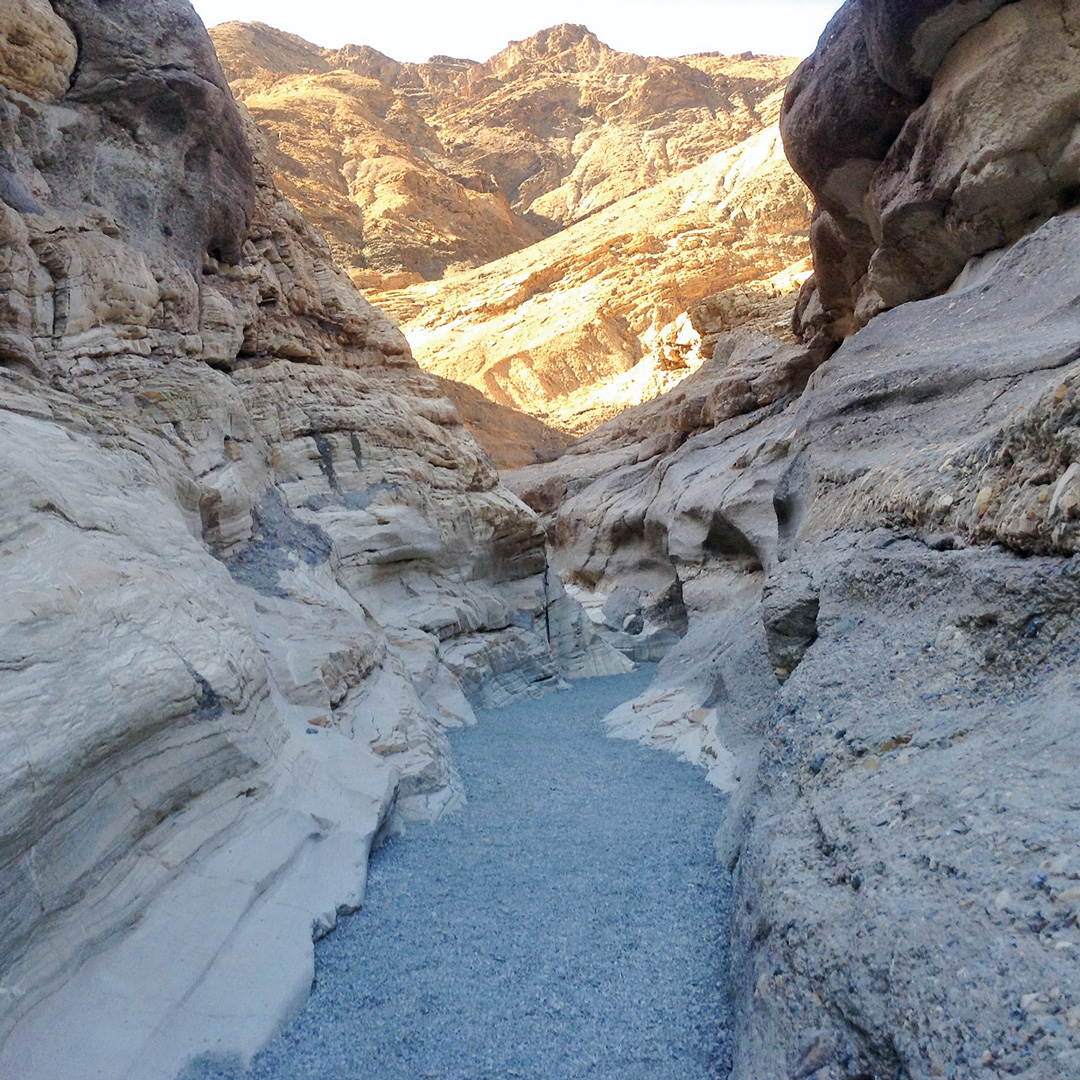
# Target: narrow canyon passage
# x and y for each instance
(569, 922)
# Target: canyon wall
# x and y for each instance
(872, 559)
(253, 566)
(930, 136)
(613, 309)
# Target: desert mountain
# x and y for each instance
(621, 306)
(425, 168)
(569, 205)
(253, 567)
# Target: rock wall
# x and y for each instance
(872, 560)
(875, 581)
(254, 566)
(930, 136)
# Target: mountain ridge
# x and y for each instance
(438, 183)
(511, 145)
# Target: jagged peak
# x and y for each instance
(563, 47)
(245, 47)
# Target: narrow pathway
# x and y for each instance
(569, 923)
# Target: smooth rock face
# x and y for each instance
(252, 563)
(877, 580)
(930, 134)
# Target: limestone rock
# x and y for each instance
(37, 50)
(876, 580)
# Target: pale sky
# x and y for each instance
(418, 29)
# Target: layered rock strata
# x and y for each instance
(663, 180)
(930, 137)
(619, 307)
(254, 566)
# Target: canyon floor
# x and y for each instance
(569, 921)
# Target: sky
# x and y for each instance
(414, 30)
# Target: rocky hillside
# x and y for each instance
(253, 565)
(663, 182)
(425, 168)
(873, 560)
(615, 309)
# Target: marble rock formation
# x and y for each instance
(872, 559)
(253, 566)
(930, 134)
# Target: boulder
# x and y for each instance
(930, 135)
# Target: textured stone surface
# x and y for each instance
(664, 181)
(513, 439)
(930, 135)
(876, 580)
(37, 49)
(251, 559)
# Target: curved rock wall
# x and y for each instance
(877, 580)
(253, 564)
(930, 134)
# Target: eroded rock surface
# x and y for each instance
(929, 136)
(618, 308)
(663, 181)
(254, 566)
(874, 579)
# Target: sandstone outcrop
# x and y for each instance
(254, 566)
(929, 136)
(430, 168)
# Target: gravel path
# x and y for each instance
(568, 923)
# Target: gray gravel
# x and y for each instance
(570, 922)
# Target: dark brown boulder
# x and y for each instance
(930, 133)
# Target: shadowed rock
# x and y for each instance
(930, 135)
